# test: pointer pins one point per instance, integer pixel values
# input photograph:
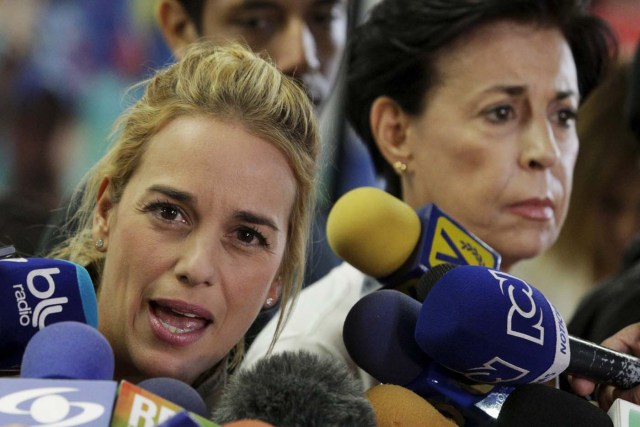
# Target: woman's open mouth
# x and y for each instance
(176, 322)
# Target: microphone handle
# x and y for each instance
(602, 364)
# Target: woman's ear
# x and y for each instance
(101, 216)
(176, 25)
(389, 124)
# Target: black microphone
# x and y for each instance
(296, 389)
(538, 405)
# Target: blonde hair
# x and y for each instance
(229, 83)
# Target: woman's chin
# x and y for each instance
(520, 253)
(157, 367)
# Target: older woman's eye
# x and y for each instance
(500, 114)
(566, 117)
(168, 212)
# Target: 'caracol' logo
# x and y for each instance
(525, 317)
(47, 407)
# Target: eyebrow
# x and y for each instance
(253, 218)
(256, 4)
(270, 4)
(519, 90)
(186, 197)
(182, 196)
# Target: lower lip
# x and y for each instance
(533, 212)
(163, 334)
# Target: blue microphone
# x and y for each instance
(378, 333)
(81, 353)
(181, 419)
(178, 392)
(495, 328)
(36, 292)
(66, 379)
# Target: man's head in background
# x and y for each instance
(305, 38)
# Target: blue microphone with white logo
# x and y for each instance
(36, 292)
(379, 332)
(66, 380)
(495, 328)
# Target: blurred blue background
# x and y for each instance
(65, 66)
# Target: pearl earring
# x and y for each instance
(400, 167)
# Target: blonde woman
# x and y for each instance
(198, 215)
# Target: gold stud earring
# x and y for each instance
(400, 167)
(99, 244)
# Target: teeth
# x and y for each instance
(191, 315)
(175, 330)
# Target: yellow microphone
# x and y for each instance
(384, 237)
(396, 406)
(373, 231)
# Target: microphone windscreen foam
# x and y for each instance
(176, 391)
(388, 230)
(68, 350)
(295, 389)
(397, 406)
(378, 333)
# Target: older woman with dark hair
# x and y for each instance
(470, 105)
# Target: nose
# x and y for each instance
(540, 148)
(195, 265)
(296, 50)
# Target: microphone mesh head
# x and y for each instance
(68, 350)
(176, 391)
(378, 333)
(538, 405)
(397, 406)
(373, 231)
(291, 389)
